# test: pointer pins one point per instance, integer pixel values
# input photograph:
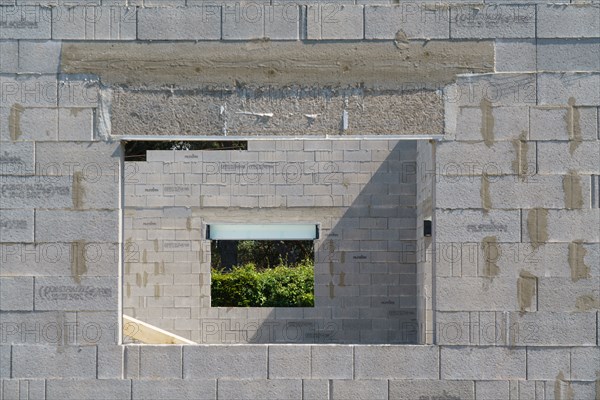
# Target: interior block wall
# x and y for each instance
(362, 196)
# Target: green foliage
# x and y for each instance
(282, 286)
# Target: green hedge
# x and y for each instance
(282, 286)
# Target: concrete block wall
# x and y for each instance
(360, 193)
(519, 95)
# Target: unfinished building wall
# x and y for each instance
(516, 176)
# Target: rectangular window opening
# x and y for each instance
(135, 150)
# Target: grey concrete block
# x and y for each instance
(563, 294)
(548, 363)
(394, 362)
(562, 157)
(492, 21)
(568, 21)
(94, 23)
(509, 123)
(282, 22)
(174, 389)
(409, 390)
(415, 21)
(492, 390)
(243, 21)
(563, 225)
(24, 123)
(78, 91)
(160, 362)
(16, 226)
(31, 361)
(16, 159)
(76, 124)
(315, 389)
(190, 23)
(482, 363)
(551, 329)
(98, 327)
(88, 389)
(23, 389)
(332, 362)
(359, 389)
(39, 328)
(9, 62)
(474, 225)
(36, 192)
(334, 21)
(568, 55)
(498, 88)
(25, 22)
(223, 362)
(39, 57)
(110, 362)
(479, 294)
(289, 362)
(63, 293)
(515, 55)
(260, 389)
(558, 89)
(90, 226)
(584, 363)
(16, 293)
(5, 363)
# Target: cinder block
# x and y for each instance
(39, 57)
(190, 23)
(5, 364)
(547, 363)
(20, 389)
(92, 160)
(32, 361)
(16, 159)
(260, 389)
(16, 293)
(315, 389)
(509, 123)
(568, 21)
(25, 123)
(90, 226)
(9, 62)
(560, 88)
(563, 294)
(76, 124)
(568, 55)
(334, 21)
(515, 55)
(88, 389)
(36, 192)
(492, 21)
(359, 389)
(415, 21)
(394, 362)
(473, 225)
(500, 89)
(564, 225)
(482, 363)
(563, 157)
(289, 362)
(551, 329)
(63, 293)
(78, 91)
(25, 22)
(282, 22)
(479, 294)
(409, 390)
(23, 91)
(98, 327)
(584, 363)
(16, 226)
(225, 362)
(332, 362)
(94, 23)
(110, 361)
(174, 389)
(243, 21)
(160, 362)
(492, 390)
(560, 389)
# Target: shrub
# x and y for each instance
(282, 286)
